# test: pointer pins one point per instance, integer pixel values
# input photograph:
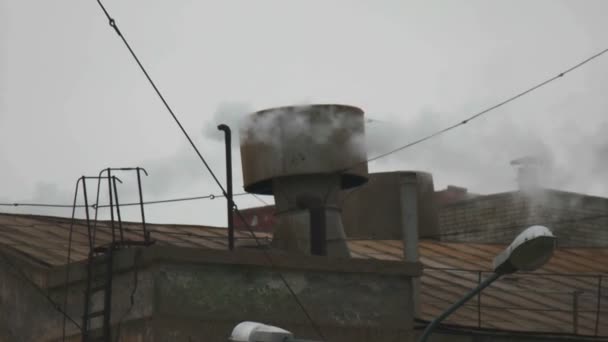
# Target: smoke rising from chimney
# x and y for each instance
(477, 155)
(229, 113)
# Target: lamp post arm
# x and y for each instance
(435, 322)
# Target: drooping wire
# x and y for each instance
(113, 24)
(260, 199)
(291, 291)
(470, 118)
(44, 205)
(485, 111)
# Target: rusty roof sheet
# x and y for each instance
(568, 295)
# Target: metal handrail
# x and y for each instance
(577, 294)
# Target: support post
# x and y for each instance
(408, 184)
(479, 300)
(599, 305)
(575, 295)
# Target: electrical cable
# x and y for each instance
(485, 111)
(472, 117)
(260, 199)
(211, 197)
(291, 291)
(44, 205)
(181, 199)
(113, 24)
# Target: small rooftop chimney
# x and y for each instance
(528, 172)
(304, 156)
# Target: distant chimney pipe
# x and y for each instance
(528, 172)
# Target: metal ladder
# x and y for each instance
(101, 261)
(99, 281)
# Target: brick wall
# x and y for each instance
(577, 220)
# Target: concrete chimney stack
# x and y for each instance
(304, 156)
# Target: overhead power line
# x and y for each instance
(260, 199)
(113, 24)
(170, 200)
(485, 111)
(472, 117)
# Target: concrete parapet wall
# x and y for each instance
(186, 294)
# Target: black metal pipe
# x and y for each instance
(229, 199)
(318, 229)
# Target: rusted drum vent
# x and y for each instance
(305, 156)
(303, 140)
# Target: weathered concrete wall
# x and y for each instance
(25, 315)
(335, 301)
(576, 220)
(200, 295)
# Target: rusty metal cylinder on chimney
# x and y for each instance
(305, 152)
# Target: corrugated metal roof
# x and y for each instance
(566, 296)
(562, 297)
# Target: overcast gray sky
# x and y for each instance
(72, 101)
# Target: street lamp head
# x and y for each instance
(258, 332)
(531, 249)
